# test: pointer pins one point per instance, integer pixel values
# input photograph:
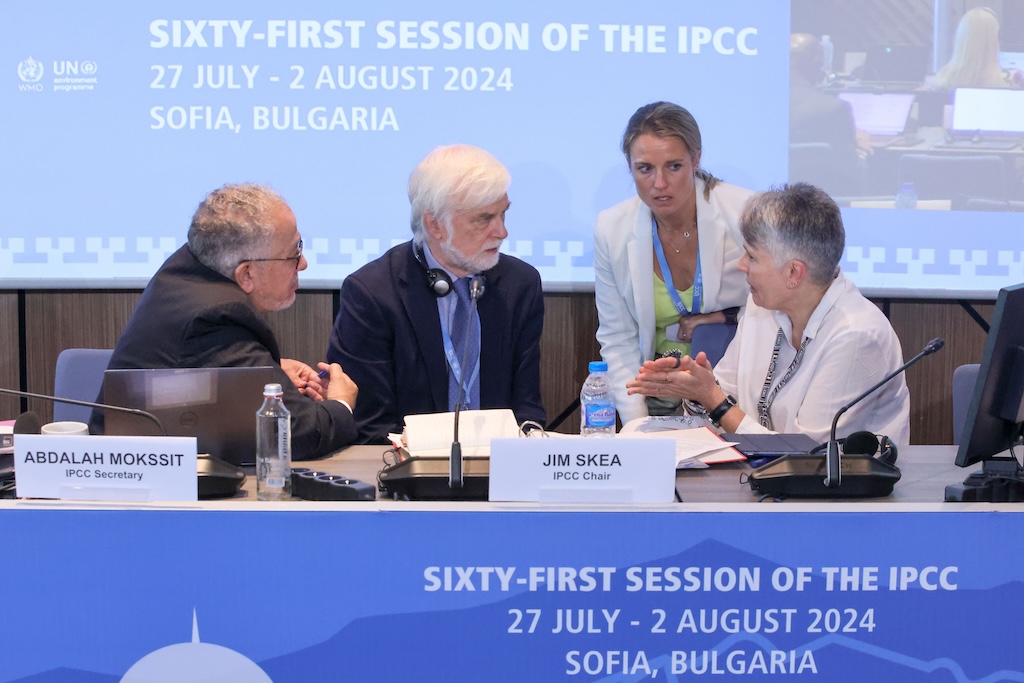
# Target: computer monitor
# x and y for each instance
(981, 111)
(996, 414)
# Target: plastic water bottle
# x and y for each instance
(273, 446)
(828, 51)
(597, 401)
(906, 198)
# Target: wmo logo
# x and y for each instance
(30, 71)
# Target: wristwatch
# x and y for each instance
(719, 412)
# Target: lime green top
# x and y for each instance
(665, 314)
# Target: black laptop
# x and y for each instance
(761, 448)
(216, 405)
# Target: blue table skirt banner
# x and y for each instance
(309, 595)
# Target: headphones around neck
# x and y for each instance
(866, 443)
(438, 281)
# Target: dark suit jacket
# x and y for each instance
(192, 317)
(387, 337)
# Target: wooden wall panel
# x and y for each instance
(568, 344)
(10, 358)
(931, 380)
(303, 330)
(56, 320)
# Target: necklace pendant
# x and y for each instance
(686, 234)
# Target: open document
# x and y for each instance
(696, 444)
(431, 435)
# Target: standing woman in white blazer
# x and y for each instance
(665, 260)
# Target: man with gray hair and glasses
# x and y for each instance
(407, 327)
(205, 308)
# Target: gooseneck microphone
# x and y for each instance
(833, 467)
(476, 290)
(88, 404)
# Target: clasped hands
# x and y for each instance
(684, 378)
(335, 385)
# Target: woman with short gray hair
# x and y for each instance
(808, 343)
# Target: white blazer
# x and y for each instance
(624, 282)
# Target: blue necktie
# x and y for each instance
(460, 328)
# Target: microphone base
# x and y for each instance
(426, 478)
(455, 463)
(217, 478)
(803, 476)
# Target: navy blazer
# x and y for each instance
(387, 337)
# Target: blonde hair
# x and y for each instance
(975, 60)
(668, 120)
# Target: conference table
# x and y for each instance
(903, 588)
(935, 158)
(925, 472)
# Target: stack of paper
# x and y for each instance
(432, 434)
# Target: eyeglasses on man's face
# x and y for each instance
(297, 258)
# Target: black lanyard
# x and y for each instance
(764, 404)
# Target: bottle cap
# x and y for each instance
(598, 366)
(272, 390)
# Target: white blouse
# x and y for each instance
(851, 346)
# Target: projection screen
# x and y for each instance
(119, 118)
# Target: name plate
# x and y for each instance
(123, 468)
(583, 470)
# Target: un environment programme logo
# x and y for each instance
(193, 663)
(68, 75)
(30, 71)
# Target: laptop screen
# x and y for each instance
(1012, 60)
(216, 405)
(988, 110)
(880, 113)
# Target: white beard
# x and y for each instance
(470, 264)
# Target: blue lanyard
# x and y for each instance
(453, 359)
(666, 275)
